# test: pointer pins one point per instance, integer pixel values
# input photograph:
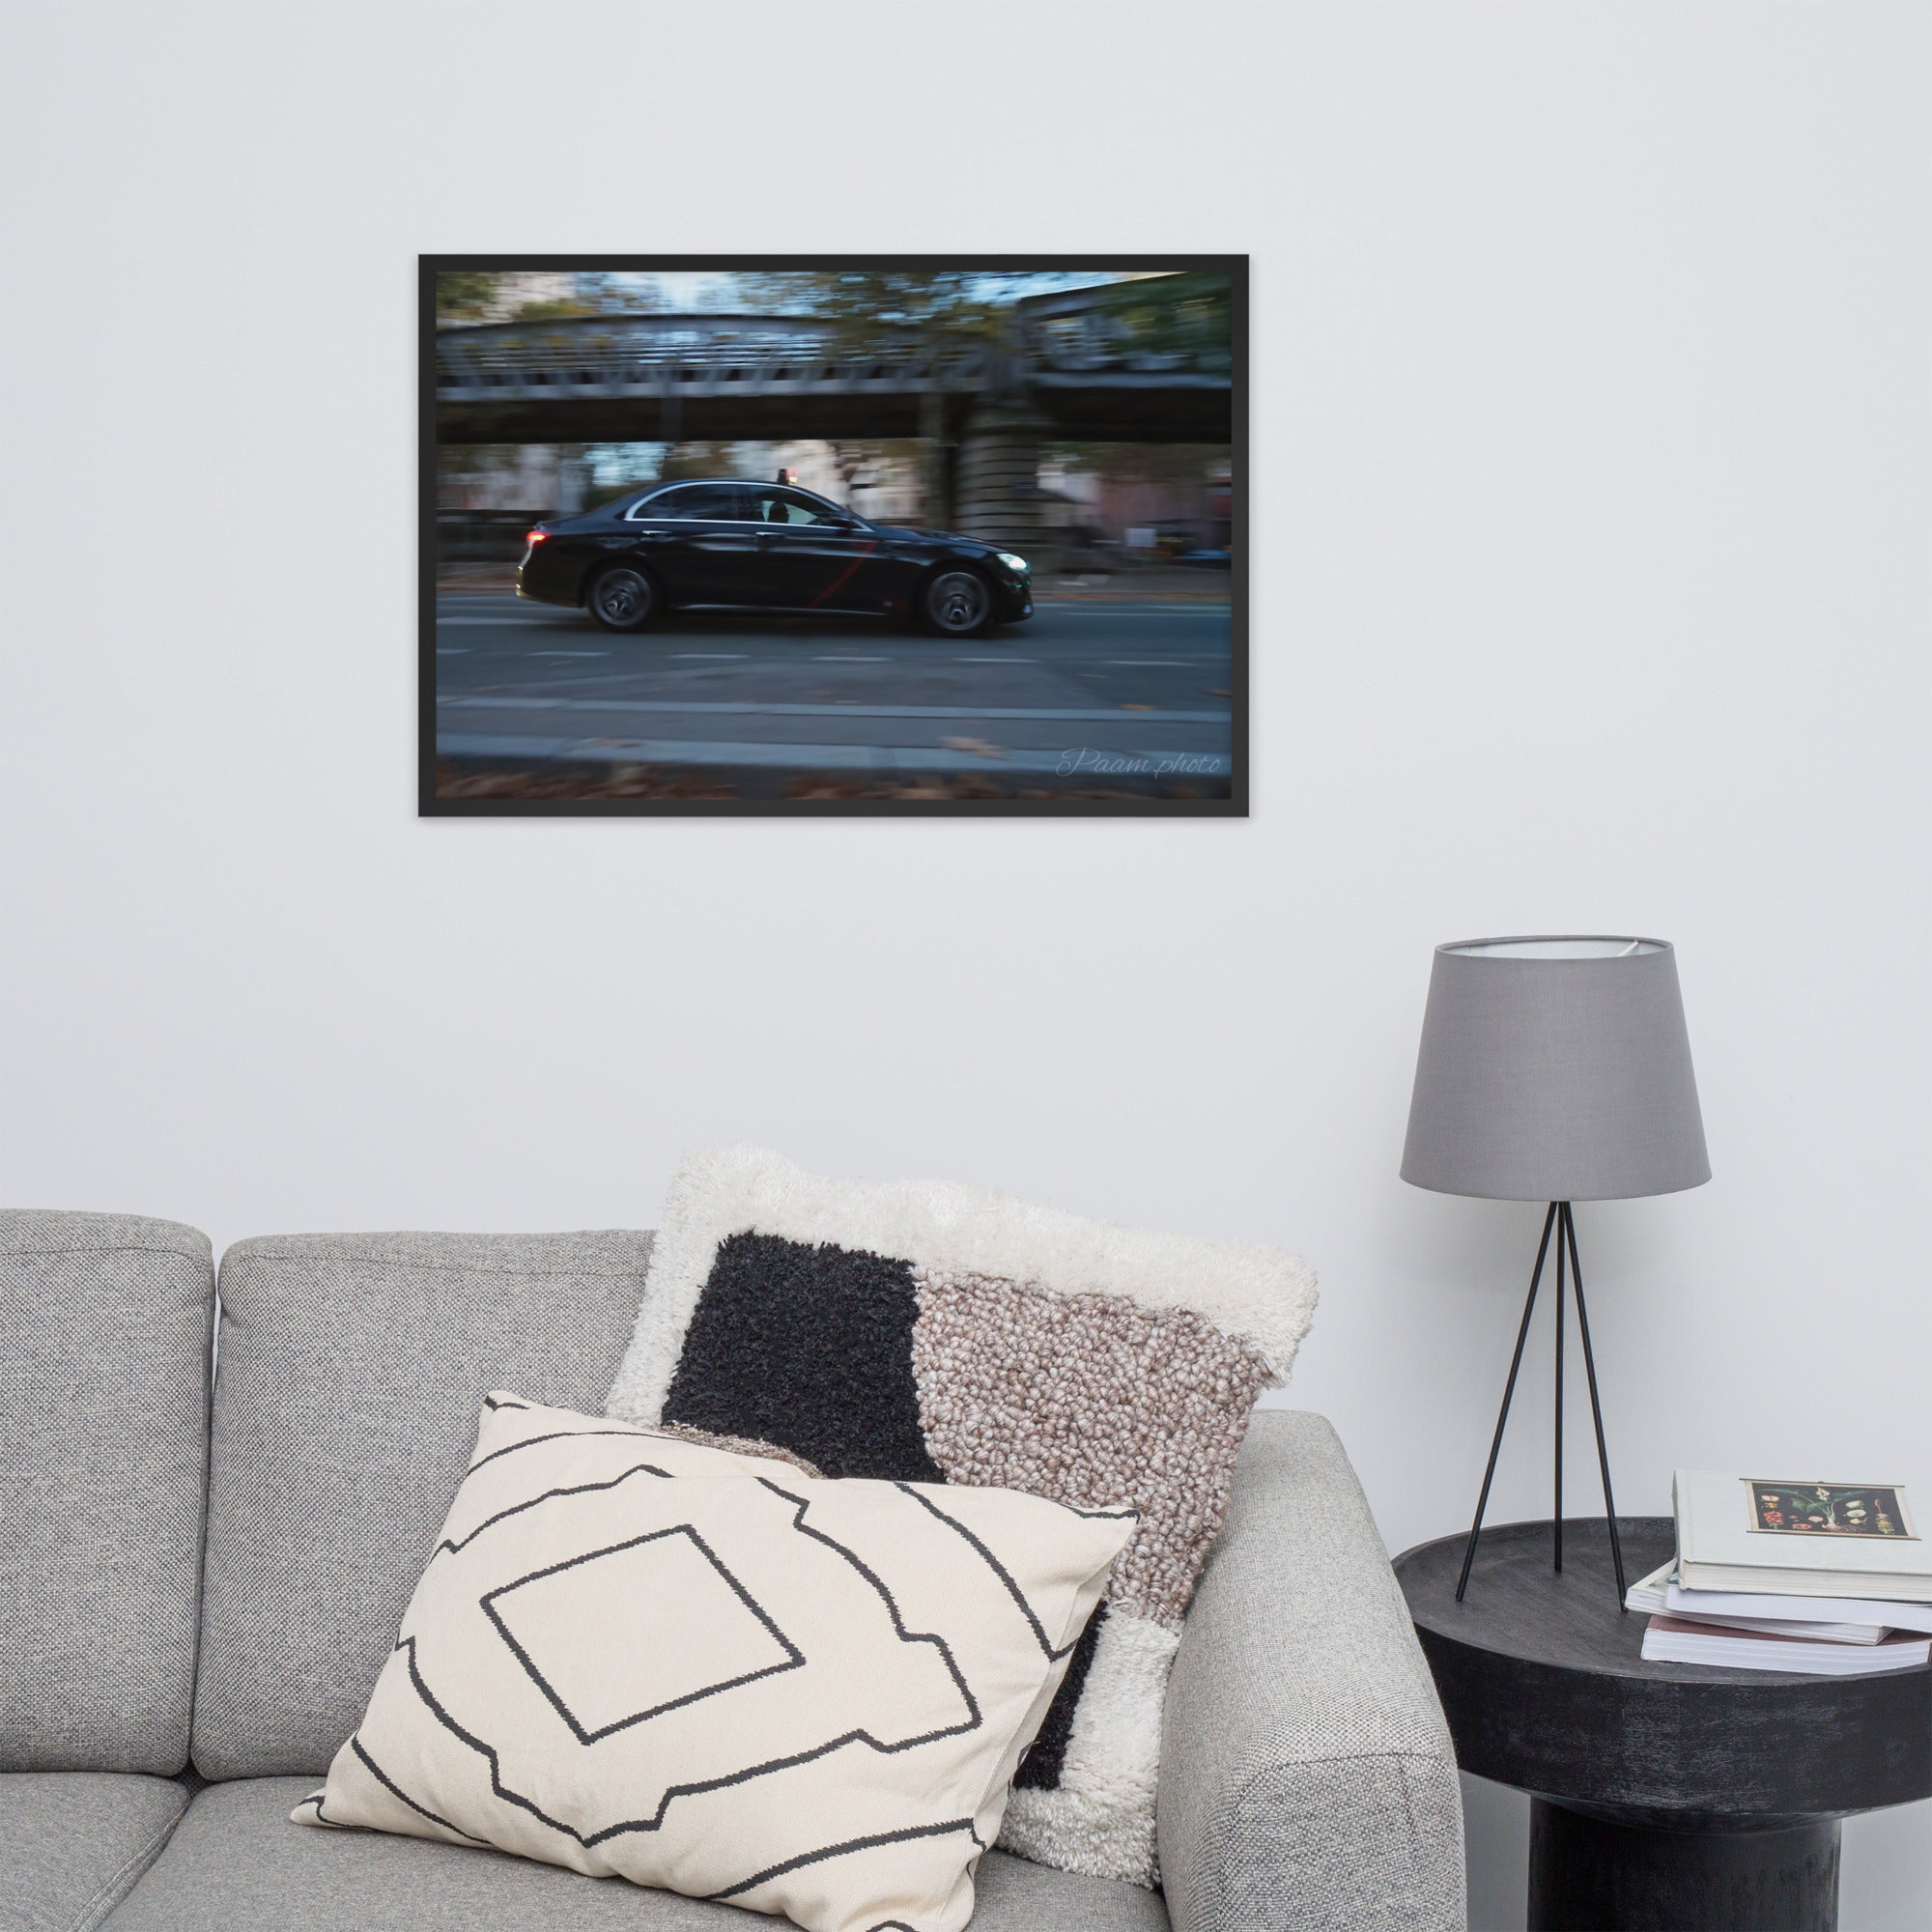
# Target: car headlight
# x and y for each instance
(1017, 564)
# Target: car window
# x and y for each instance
(783, 506)
(710, 501)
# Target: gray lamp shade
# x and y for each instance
(1555, 1069)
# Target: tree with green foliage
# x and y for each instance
(478, 295)
(866, 309)
(464, 297)
(1189, 315)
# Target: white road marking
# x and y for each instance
(452, 650)
(851, 661)
(843, 708)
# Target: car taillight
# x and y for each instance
(535, 536)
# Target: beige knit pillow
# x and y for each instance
(636, 1655)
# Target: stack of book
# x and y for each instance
(1828, 1578)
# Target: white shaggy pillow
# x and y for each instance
(639, 1656)
(930, 1333)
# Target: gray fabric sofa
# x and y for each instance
(200, 1576)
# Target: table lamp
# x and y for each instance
(1554, 1069)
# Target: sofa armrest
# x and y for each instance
(1307, 1780)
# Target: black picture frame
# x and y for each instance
(430, 805)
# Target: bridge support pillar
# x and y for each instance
(997, 494)
(937, 452)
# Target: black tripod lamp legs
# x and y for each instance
(1562, 1223)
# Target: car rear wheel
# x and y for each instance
(958, 602)
(623, 599)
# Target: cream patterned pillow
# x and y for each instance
(636, 1655)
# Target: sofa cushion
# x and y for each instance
(71, 1842)
(103, 1410)
(236, 1865)
(352, 1368)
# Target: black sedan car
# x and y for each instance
(731, 545)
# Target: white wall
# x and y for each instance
(1590, 590)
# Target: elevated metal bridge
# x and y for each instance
(668, 378)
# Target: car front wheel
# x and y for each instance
(623, 599)
(958, 602)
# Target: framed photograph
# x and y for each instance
(819, 534)
(1829, 1509)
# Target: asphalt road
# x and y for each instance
(1085, 688)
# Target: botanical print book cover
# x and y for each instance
(1829, 1509)
(796, 536)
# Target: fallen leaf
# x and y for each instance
(978, 747)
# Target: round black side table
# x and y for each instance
(1667, 1797)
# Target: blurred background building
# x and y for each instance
(1053, 414)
